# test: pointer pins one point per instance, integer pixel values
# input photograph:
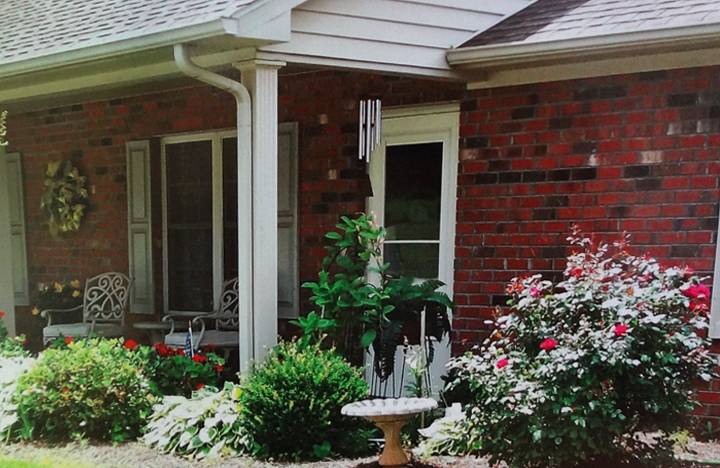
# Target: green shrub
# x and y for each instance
(291, 404)
(92, 388)
(580, 368)
(206, 425)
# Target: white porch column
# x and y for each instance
(260, 77)
(7, 291)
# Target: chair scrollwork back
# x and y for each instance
(106, 297)
(229, 306)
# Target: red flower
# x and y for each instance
(219, 368)
(548, 344)
(2, 314)
(697, 291)
(576, 272)
(199, 385)
(130, 344)
(199, 358)
(68, 339)
(162, 350)
(620, 329)
(502, 362)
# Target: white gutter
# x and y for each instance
(245, 194)
(522, 53)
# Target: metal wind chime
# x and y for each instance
(370, 127)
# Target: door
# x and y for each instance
(413, 173)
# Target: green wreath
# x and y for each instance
(65, 197)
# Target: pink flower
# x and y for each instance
(502, 362)
(535, 292)
(548, 344)
(620, 329)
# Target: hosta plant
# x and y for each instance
(578, 370)
(206, 425)
(11, 368)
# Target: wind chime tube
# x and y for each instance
(361, 132)
(378, 124)
(371, 135)
(368, 130)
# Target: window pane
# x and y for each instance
(413, 180)
(230, 207)
(416, 260)
(189, 224)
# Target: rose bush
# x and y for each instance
(578, 369)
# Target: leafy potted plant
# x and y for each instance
(359, 313)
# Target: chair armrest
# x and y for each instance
(179, 315)
(48, 313)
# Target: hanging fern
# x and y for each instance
(65, 197)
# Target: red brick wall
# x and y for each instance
(635, 153)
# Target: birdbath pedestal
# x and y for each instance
(390, 415)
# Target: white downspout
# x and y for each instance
(245, 233)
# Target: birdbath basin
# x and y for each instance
(390, 415)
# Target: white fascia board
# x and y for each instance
(523, 53)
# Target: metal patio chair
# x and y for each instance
(223, 335)
(104, 306)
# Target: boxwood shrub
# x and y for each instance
(291, 404)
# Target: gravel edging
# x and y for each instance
(135, 454)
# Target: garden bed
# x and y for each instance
(704, 454)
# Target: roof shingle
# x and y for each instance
(553, 20)
(35, 28)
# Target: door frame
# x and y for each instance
(412, 125)
(415, 125)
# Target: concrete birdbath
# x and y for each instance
(390, 415)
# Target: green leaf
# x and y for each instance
(368, 338)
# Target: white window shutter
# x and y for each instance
(17, 228)
(715, 296)
(140, 227)
(288, 293)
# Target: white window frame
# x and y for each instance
(715, 294)
(216, 139)
(285, 310)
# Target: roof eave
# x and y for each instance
(114, 49)
(523, 53)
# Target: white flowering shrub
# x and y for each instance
(206, 425)
(578, 369)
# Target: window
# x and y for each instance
(199, 187)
